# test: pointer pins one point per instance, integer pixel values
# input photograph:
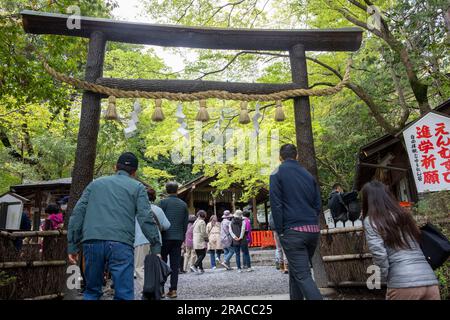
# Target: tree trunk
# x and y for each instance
(83, 170)
(305, 141)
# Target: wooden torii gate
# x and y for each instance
(99, 31)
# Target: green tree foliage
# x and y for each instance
(39, 117)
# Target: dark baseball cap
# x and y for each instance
(128, 159)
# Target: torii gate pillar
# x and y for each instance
(89, 122)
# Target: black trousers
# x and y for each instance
(172, 248)
(299, 248)
(200, 256)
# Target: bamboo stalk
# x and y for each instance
(47, 297)
(5, 234)
(23, 234)
(343, 257)
(341, 230)
(351, 284)
(25, 264)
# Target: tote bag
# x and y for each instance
(435, 246)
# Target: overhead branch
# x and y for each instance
(12, 152)
(185, 11)
(401, 98)
(359, 5)
(363, 95)
(259, 13)
(230, 62)
(419, 88)
(220, 8)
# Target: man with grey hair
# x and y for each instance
(177, 213)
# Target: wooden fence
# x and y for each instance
(36, 271)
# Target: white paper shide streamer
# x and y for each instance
(181, 119)
(255, 120)
(131, 128)
(221, 118)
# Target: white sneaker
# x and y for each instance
(194, 269)
(240, 270)
(213, 268)
(249, 270)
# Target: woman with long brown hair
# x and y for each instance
(393, 239)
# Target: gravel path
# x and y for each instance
(221, 283)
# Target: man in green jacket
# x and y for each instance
(103, 222)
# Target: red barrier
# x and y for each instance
(262, 239)
(256, 239)
(267, 239)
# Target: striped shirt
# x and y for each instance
(308, 228)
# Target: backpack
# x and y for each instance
(345, 206)
(352, 204)
(435, 246)
(337, 207)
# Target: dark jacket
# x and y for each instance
(156, 273)
(177, 213)
(294, 197)
(237, 227)
(337, 208)
(25, 225)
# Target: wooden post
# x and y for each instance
(191, 202)
(37, 215)
(83, 170)
(266, 214)
(305, 141)
(255, 213)
(302, 111)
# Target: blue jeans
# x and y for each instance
(118, 257)
(234, 250)
(246, 256)
(212, 255)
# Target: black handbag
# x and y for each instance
(435, 246)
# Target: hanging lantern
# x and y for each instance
(158, 114)
(111, 111)
(244, 118)
(202, 114)
(279, 113)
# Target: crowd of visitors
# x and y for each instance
(118, 226)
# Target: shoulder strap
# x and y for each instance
(341, 201)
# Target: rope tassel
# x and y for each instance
(279, 113)
(244, 118)
(158, 114)
(202, 114)
(111, 111)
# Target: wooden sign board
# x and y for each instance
(427, 142)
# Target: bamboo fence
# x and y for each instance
(37, 271)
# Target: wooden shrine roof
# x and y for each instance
(343, 39)
(369, 153)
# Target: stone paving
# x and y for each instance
(223, 284)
